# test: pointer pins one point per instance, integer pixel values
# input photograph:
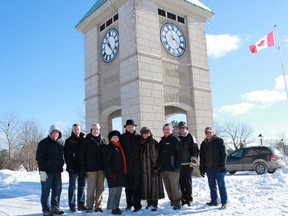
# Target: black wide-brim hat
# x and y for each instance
(130, 122)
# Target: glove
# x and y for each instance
(193, 163)
(43, 176)
(222, 169)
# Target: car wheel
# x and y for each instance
(232, 172)
(260, 168)
(271, 171)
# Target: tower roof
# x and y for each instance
(198, 4)
(97, 4)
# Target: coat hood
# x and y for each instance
(55, 127)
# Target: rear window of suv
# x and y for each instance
(257, 151)
(275, 151)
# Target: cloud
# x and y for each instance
(279, 83)
(268, 96)
(237, 109)
(261, 99)
(265, 96)
(219, 45)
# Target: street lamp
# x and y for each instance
(260, 138)
(283, 150)
(282, 144)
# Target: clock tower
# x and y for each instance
(147, 60)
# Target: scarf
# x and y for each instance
(117, 144)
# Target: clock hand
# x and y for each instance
(109, 45)
(174, 39)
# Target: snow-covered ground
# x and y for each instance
(248, 194)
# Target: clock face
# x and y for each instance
(172, 39)
(110, 45)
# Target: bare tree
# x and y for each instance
(66, 133)
(175, 126)
(30, 135)
(82, 120)
(3, 158)
(9, 127)
(235, 133)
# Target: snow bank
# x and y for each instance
(248, 194)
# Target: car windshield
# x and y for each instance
(237, 153)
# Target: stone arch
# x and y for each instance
(106, 118)
(176, 108)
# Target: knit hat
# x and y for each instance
(113, 133)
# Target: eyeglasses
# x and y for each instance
(208, 132)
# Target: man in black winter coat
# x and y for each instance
(213, 162)
(170, 160)
(130, 141)
(49, 157)
(91, 162)
(190, 152)
(71, 155)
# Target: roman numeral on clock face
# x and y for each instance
(110, 45)
(172, 39)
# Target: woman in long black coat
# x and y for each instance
(151, 179)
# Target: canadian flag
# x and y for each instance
(263, 43)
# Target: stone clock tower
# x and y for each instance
(147, 60)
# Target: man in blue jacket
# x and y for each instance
(49, 157)
(213, 162)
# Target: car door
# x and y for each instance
(248, 158)
(234, 160)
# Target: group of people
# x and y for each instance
(131, 160)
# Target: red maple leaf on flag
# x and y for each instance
(261, 43)
(266, 41)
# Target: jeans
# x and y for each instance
(54, 183)
(80, 177)
(214, 175)
(114, 197)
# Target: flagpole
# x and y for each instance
(281, 57)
